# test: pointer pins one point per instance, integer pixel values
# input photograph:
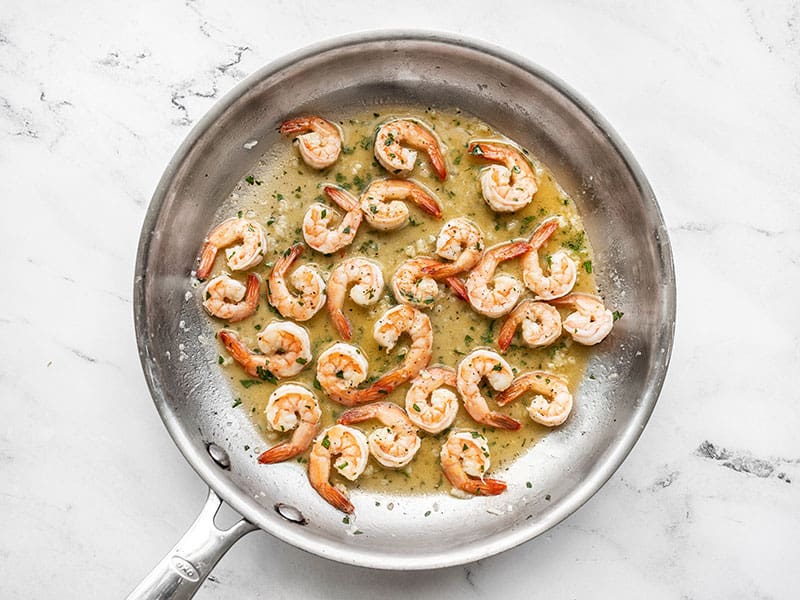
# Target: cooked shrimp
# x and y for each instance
(245, 242)
(304, 279)
(552, 403)
(591, 322)
(318, 218)
(228, 299)
(391, 152)
(367, 281)
(563, 270)
(291, 406)
(348, 447)
(285, 350)
(411, 286)
(394, 445)
(541, 325)
(382, 206)
(341, 369)
(388, 329)
(465, 460)
(471, 371)
(459, 241)
(509, 186)
(429, 406)
(319, 142)
(495, 295)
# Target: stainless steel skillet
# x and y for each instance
(178, 353)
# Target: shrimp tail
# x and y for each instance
(342, 198)
(250, 296)
(279, 453)
(296, 125)
(518, 387)
(502, 421)
(286, 260)
(335, 497)
(341, 323)
(486, 487)
(207, 256)
(426, 202)
(513, 250)
(437, 162)
(356, 415)
(458, 287)
(507, 332)
(237, 350)
(486, 150)
(568, 300)
(382, 387)
(439, 271)
(543, 233)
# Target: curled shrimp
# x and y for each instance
(541, 325)
(465, 461)
(461, 242)
(285, 350)
(591, 322)
(341, 369)
(382, 206)
(347, 448)
(289, 407)
(226, 298)
(411, 285)
(563, 270)
(388, 329)
(495, 295)
(367, 280)
(318, 218)
(391, 151)
(429, 405)
(304, 279)
(508, 186)
(394, 445)
(244, 240)
(472, 369)
(319, 141)
(552, 403)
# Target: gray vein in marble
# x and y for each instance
(190, 87)
(114, 59)
(192, 5)
(68, 279)
(665, 481)
(699, 227)
(743, 462)
(768, 38)
(20, 120)
(82, 355)
(468, 577)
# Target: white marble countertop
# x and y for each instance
(95, 98)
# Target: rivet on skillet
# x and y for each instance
(219, 456)
(290, 513)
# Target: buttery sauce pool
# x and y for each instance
(277, 192)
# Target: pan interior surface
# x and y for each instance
(633, 265)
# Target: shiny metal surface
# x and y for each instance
(633, 266)
(182, 571)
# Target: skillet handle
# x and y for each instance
(184, 569)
